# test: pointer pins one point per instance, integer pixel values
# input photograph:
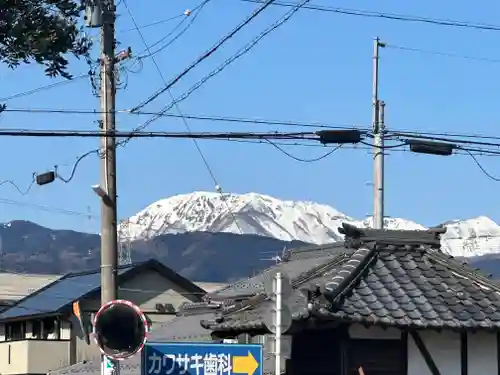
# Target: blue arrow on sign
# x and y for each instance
(201, 359)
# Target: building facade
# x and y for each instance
(381, 303)
(378, 303)
(38, 334)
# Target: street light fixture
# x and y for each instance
(45, 178)
(99, 191)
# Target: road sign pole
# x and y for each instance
(279, 307)
(108, 366)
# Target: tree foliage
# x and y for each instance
(41, 31)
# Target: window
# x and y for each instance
(15, 331)
(36, 329)
(49, 329)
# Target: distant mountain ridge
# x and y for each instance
(304, 221)
(201, 256)
(217, 257)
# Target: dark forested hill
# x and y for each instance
(28, 247)
(200, 256)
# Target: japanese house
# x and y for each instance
(388, 302)
(37, 335)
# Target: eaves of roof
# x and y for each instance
(396, 278)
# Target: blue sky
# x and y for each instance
(316, 67)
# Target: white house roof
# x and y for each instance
(14, 286)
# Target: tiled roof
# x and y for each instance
(299, 261)
(391, 278)
(58, 295)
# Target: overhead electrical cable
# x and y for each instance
(205, 55)
(181, 135)
(480, 166)
(389, 16)
(255, 121)
(155, 23)
(43, 88)
(445, 54)
(303, 160)
(285, 140)
(15, 186)
(186, 125)
(47, 208)
(75, 166)
(192, 18)
(258, 121)
(216, 71)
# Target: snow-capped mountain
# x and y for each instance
(287, 220)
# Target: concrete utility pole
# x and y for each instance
(279, 307)
(109, 217)
(378, 144)
(109, 235)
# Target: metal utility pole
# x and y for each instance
(378, 144)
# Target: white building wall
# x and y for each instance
(444, 348)
(482, 349)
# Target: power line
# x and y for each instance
(298, 139)
(254, 121)
(156, 23)
(399, 135)
(186, 125)
(308, 136)
(389, 16)
(216, 71)
(75, 166)
(43, 88)
(303, 160)
(482, 169)
(445, 54)
(197, 10)
(15, 186)
(205, 55)
(133, 134)
(47, 208)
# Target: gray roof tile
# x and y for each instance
(298, 261)
(395, 278)
(58, 294)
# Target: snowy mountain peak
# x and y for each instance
(305, 221)
(237, 213)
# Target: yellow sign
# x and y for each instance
(245, 364)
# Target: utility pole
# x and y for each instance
(109, 225)
(378, 144)
(279, 307)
